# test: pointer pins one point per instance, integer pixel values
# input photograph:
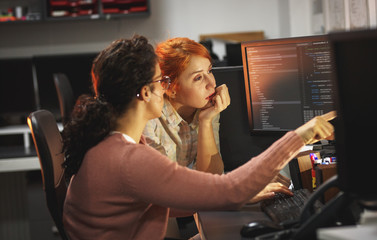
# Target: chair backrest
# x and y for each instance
(65, 95)
(48, 143)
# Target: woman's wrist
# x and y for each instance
(205, 123)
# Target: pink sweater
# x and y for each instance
(124, 190)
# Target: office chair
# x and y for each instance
(65, 95)
(48, 144)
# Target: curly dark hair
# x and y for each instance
(118, 74)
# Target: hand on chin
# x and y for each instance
(208, 105)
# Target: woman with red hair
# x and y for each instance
(187, 132)
(188, 129)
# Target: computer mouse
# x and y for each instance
(257, 228)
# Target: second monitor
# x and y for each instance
(287, 82)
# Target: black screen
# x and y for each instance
(17, 99)
(355, 55)
(287, 82)
(237, 146)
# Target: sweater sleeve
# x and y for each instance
(153, 178)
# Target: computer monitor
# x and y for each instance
(237, 146)
(17, 98)
(233, 54)
(287, 82)
(355, 55)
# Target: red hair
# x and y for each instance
(175, 54)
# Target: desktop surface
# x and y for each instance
(225, 225)
(17, 152)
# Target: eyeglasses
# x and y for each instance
(165, 82)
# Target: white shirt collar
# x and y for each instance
(128, 138)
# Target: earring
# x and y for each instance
(172, 94)
(148, 99)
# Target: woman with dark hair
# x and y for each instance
(123, 189)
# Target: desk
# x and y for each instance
(19, 158)
(366, 230)
(15, 130)
(225, 225)
(19, 164)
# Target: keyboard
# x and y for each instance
(285, 210)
